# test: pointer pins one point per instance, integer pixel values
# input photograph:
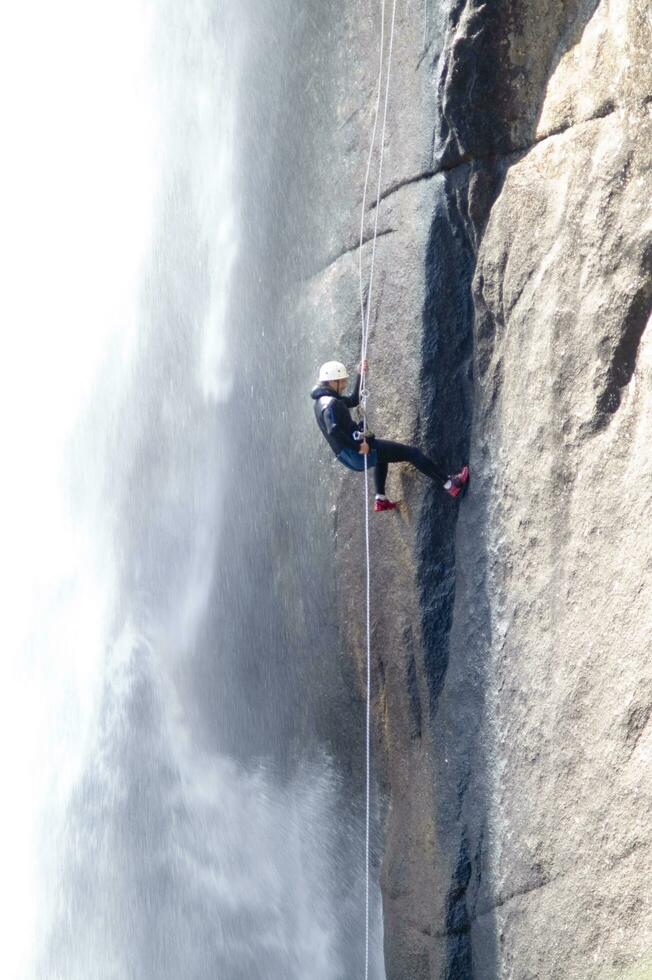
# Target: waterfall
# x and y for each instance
(137, 840)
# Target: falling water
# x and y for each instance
(145, 832)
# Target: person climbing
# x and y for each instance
(351, 444)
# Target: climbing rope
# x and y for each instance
(365, 320)
(365, 317)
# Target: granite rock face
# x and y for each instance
(510, 326)
(553, 612)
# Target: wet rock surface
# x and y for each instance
(512, 683)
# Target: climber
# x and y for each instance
(350, 444)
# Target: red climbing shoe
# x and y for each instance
(455, 484)
(384, 505)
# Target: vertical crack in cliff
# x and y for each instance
(458, 923)
(447, 383)
(446, 418)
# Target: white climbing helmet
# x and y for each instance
(333, 371)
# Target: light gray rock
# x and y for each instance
(553, 612)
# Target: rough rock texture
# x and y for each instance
(549, 692)
(513, 685)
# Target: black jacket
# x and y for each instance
(333, 416)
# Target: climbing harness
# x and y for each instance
(364, 394)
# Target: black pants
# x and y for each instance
(396, 452)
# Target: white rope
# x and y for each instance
(368, 739)
(365, 320)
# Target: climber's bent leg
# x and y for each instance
(397, 452)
